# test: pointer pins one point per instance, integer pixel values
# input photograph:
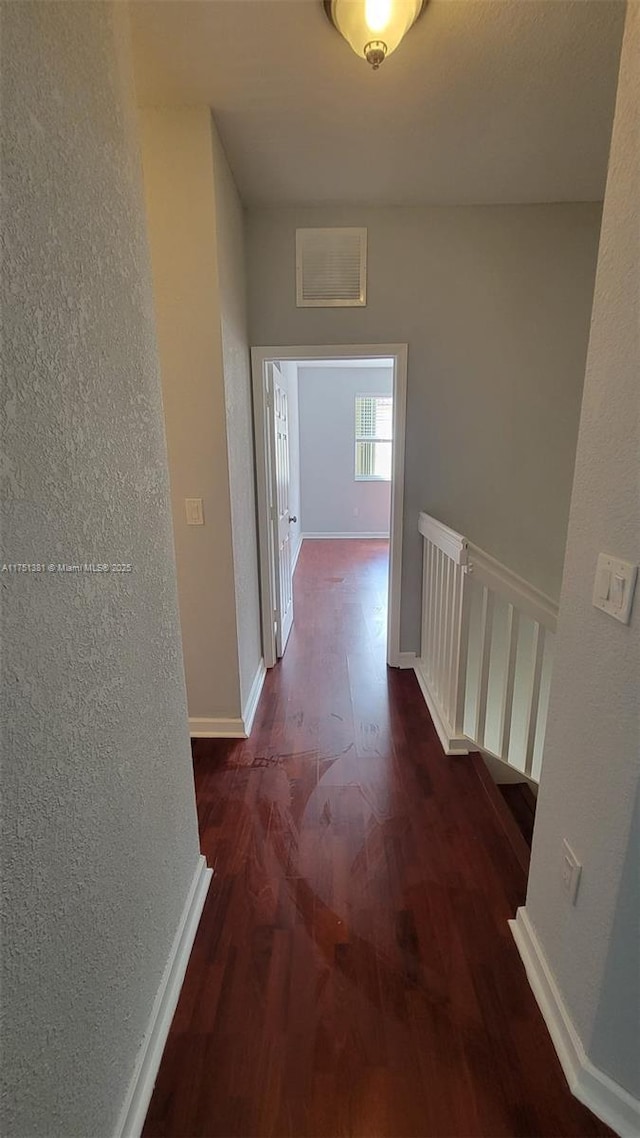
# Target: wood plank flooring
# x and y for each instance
(522, 804)
(353, 974)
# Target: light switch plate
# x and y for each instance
(614, 586)
(193, 507)
(571, 872)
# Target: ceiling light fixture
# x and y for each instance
(373, 28)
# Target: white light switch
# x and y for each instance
(614, 585)
(195, 516)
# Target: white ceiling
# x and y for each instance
(485, 100)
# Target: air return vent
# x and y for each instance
(331, 268)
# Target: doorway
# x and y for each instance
(376, 459)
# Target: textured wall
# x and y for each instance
(238, 401)
(99, 827)
(591, 770)
(179, 191)
(494, 303)
(328, 490)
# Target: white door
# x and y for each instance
(278, 413)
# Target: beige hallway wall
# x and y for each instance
(179, 191)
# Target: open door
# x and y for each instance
(271, 402)
(278, 429)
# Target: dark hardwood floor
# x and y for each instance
(522, 804)
(354, 974)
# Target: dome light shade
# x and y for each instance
(373, 28)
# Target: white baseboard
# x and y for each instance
(249, 712)
(404, 660)
(217, 729)
(138, 1097)
(239, 728)
(604, 1097)
(452, 744)
(294, 559)
(342, 536)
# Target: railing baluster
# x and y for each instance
(446, 602)
(453, 640)
(456, 574)
(433, 611)
(513, 626)
(424, 634)
(486, 631)
(463, 651)
(426, 607)
(537, 656)
(442, 601)
(438, 635)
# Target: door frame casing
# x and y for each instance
(260, 356)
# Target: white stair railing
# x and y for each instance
(441, 665)
(486, 653)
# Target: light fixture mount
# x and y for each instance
(374, 53)
(373, 28)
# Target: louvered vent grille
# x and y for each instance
(331, 268)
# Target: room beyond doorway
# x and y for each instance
(353, 576)
(330, 426)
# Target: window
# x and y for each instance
(374, 434)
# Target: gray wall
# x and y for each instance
(238, 403)
(330, 494)
(589, 787)
(615, 1038)
(494, 303)
(99, 824)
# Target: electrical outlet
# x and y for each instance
(571, 871)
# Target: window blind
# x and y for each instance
(373, 437)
